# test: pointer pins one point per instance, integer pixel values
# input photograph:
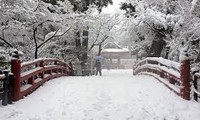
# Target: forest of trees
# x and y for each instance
(52, 28)
(71, 29)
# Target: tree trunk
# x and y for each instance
(36, 53)
(99, 52)
(156, 48)
(84, 57)
(85, 46)
(78, 44)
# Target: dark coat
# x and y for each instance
(98, 65)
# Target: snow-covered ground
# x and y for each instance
(117, 95)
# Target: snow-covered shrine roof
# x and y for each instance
(114, 50)
(115, 53)
(113, 47)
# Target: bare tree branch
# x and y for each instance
(155, 29)
(105, 36)
(45, 41)
(6, 42)
(54, 35)
(64, 32)
(94, 43)
(48, 39)
(103, 40)
(35, 30)
(34, 36)
(39, 1)
(3, 37)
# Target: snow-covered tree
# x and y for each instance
(101, 29)
(27, 25)
(83, 5)
(149, 25)
(154, 25)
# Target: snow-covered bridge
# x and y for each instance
(117, 95)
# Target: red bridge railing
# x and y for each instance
(174, 75)
(30, 75)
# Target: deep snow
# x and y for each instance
(117, 95)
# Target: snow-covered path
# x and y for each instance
(117, 95)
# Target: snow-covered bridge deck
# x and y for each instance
(117, 95)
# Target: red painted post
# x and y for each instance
(185, 79)
(31, 80)
(15, 69)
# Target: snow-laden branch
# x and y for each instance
(62, 33)
(51, 35)
(105, 36)
(154, 28)
(39, 1)
(194, 3)
(103, 40)
(93, 44)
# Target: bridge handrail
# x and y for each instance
(161, 68)
(37, 61)
(168, 67)
(171, 72)
(161, 62)
(28, 76)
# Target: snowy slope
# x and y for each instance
(117, 95)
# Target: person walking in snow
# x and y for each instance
(98, 64)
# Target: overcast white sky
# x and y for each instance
(113, 8)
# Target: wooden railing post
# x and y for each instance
(15, 69)
(42, 65)
(55, 62)
(171, 80)
(55, 70)
(185, 79)
(161, 74)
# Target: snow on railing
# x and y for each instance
(30, 75)
(160, 66)
(161, 62)
(170, 73)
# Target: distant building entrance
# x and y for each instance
(117, 57)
